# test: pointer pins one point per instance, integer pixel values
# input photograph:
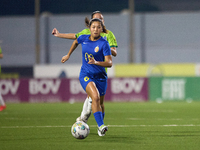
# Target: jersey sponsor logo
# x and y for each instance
(86, 79)
(87, 56)
(84, 43)
(96, 49)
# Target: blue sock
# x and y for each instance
(103, 114)
(99, 118)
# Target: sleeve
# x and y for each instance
(112, 40)
(83, 32)
(0, 50)
(80, 39)
(106, 49)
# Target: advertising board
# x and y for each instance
(174, 88)
(69, 90)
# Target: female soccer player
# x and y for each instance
(109, 36)
(96, 55)
(2, 103)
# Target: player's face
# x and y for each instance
(95, 29)
(98, 16)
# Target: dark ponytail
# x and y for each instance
(87, 22)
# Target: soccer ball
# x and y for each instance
(80, 130)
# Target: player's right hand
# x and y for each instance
(55, 32)
(64, 58)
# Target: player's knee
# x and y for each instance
(96, 99)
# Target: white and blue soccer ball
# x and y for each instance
(80, 130)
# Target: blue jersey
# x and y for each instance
(96, 49)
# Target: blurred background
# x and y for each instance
(157, 39)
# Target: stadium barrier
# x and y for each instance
(126, 82)
(133, 89)
(165, 69)
(174, 89)
(69, 90)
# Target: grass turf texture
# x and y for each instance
(152, 126)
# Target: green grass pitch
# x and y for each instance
(131, 126)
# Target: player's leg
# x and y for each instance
(2, 103)
(89, 108)
(102, 86)
(84, 80)
(93, 92)
(86, 111)
(103, 114)
(102, 105)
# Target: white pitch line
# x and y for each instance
(108, 118)
(158, 119)
(115, 126)
(172, 125)
(33, 118)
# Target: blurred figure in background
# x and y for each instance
(2, 103)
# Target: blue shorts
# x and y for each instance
(99, 80)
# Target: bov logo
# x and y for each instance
(127, 85)
(44, 86)
(7, 86)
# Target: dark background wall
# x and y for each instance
(26, 7)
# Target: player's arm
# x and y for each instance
(107, 63)
(56, 33)
(72, 48)
(113, 43)
(113, 51)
